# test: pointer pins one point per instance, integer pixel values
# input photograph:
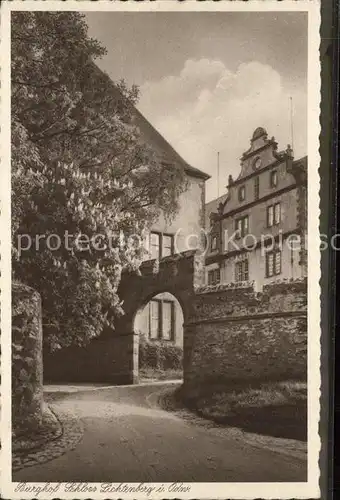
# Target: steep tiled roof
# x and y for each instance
(303, 161)
(212, 206)
(152, 137)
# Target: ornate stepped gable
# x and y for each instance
(262, 154)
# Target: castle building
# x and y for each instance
(162, 318)
(258, 229)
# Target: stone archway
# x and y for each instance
(113, 356)
(176, 275)
(159, 325)
(161, 318)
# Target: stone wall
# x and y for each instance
(237, 335)
(230, 332)
(27, 370)
(109, 359)
(113, 357)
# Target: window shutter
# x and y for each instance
(277, 262)
(256, 188)
(277, 213)
(270, 215)
(246, 270)
(246, 224)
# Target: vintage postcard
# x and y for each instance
(161, 249)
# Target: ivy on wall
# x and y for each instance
(27, 392)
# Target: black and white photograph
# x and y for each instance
(160, 195)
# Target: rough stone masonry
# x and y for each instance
(27, 366)
(237, 335)
(230, 331)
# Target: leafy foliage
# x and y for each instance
(79, 167)
(159, 355)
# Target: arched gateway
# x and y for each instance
(113, 356)
(176, 275)
(231, 332)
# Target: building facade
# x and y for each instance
(162, 318)
(113, 356)
(258, 232)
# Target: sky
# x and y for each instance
(208, 80)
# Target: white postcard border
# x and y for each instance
(309, 489)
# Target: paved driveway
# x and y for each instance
(128, 439)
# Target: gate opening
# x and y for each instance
(159, 325)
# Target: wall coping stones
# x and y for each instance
(171, 258)
(272, 287)
(245, 285)
(285, 286)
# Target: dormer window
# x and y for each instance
(273, 179)
(242, 193)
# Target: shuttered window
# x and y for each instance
(162, 319)
(273, 214)
(242, 270)
(214, 276)
(273, 263)
(256, 188)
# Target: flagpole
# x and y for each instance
(218, 174)
(291, 122)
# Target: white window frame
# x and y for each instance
(242, 193)
(276, 257)
(242, 226)
(273, 179)
(274, 214)
(216, 276)
(242, 270)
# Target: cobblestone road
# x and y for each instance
(117, 434)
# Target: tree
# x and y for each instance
(79, 172)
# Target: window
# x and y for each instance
(242, 270)
(155, 319)
(242, 226)
(270, 215)
(273, 214)
(161, 245)
(213, 244)
(167, 245)
(273, 178)
(256, 188)
(162, 319)
(155, 239)
(167, 320)
(242, 193)
(277, 213)
(214, 276)
(273, 263)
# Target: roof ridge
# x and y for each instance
(176, 156)
(156, 138)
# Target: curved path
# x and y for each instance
(127, 439)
